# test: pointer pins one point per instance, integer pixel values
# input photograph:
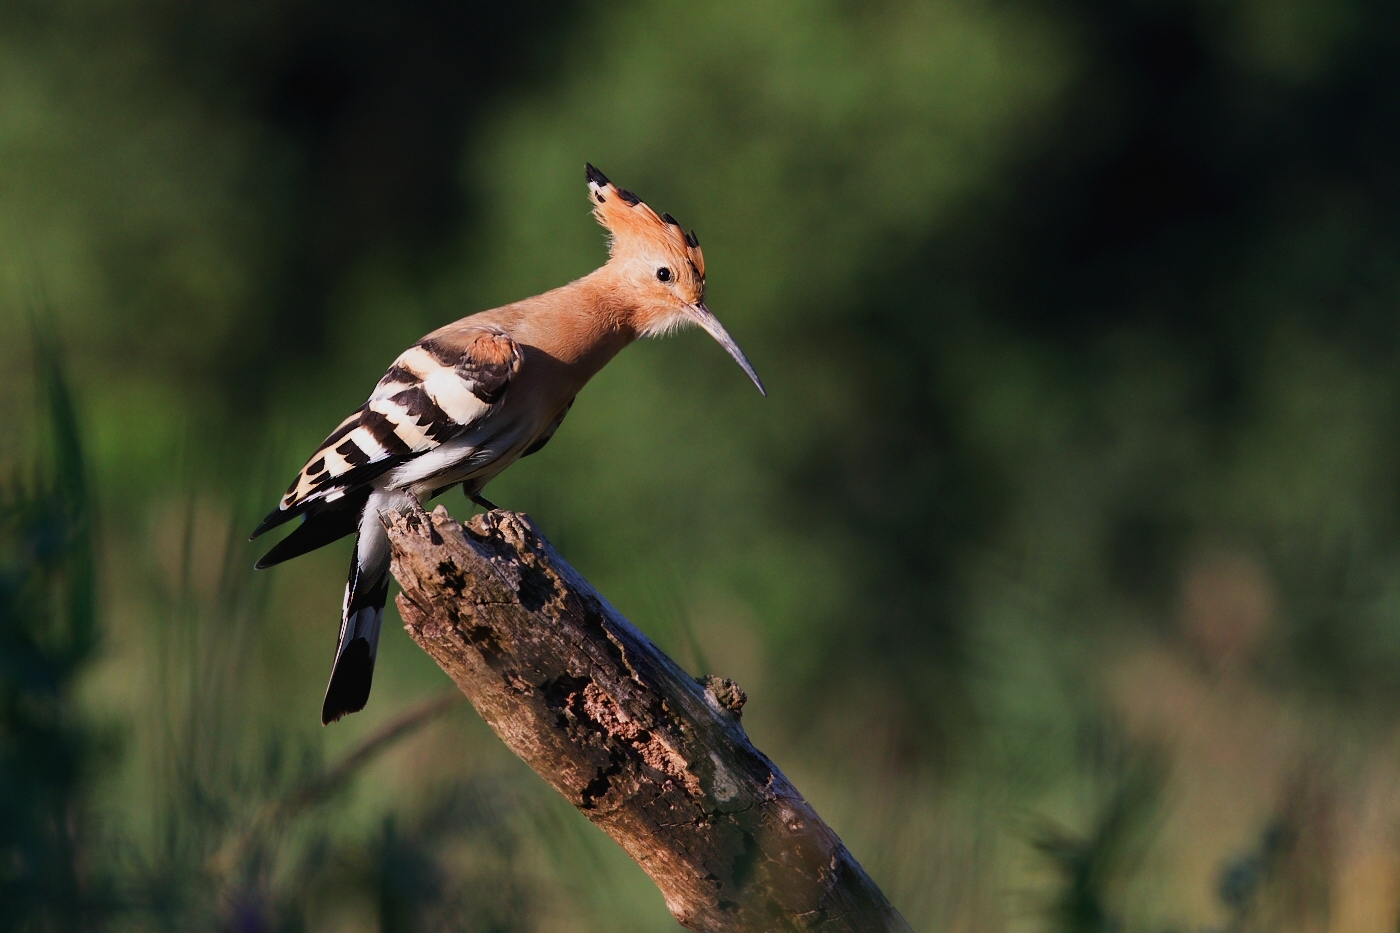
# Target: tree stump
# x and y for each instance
(658, 760)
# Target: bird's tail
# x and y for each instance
(366, 591)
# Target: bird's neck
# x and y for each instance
(586, 323)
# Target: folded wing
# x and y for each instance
(436, 390)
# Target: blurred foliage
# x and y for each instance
(1079, 321)
(1126, 783)
(233, 848)
(48, 633)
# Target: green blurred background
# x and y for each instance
(1061, 565)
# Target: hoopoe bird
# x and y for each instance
(474, 396)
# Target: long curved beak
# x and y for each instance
(703, 316)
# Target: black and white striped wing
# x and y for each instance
(435, 391)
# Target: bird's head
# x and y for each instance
(660, 265)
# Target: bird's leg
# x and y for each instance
(482, 501)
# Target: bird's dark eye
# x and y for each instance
(663, 274)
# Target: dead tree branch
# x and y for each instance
(657, 760)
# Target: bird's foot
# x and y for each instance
(484, 502)
(418, 517)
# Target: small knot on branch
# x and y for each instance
(724, 693)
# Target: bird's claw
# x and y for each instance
(414, 513)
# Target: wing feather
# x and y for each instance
(434, 391)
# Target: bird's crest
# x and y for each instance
(628, 220)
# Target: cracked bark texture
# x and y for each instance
(658, 760)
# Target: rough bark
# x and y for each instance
(656, 759)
